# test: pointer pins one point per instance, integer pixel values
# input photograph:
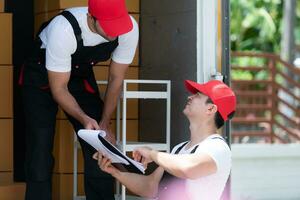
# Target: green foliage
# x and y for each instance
(255, 25)
(297, 26)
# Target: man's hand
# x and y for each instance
(143, 155)
(109, 135)
(105, 164)
(90, 123)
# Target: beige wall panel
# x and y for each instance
(6, 39)
(6, 91)
(6, 145)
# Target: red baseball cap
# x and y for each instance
(220, 94)
(112, 16)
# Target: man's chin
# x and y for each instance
(185, 111)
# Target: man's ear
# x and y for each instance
(212, 109)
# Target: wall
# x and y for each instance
(268, 172)
(168, 51)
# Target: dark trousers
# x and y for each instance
(40, 116)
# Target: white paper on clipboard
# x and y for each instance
(91, 137)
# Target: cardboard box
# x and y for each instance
(14, 191)
(40, 18)
(6, 145)
(6, 91)
(101, 73)
(62, 186)
(63, 148)
(133, 6)
(50, 5)
(2, 5)
(6, 178)
(60, 114)
(132, 129)
(6, 39)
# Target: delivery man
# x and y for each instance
(60, 72)
(196, 169)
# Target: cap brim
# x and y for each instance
(194, 87)
(117, 27)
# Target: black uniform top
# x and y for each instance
(83, 59)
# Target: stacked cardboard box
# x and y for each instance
(1, 6)
(63, 147)
(6, 92)
(8, 189)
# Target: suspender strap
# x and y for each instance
(217, 137)
(77, 31)
(195, 148)
(179, 148)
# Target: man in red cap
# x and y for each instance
(60, 72)
(196, 169)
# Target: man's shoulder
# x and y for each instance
(216, 142)
(60, 25)
(134, 32)
(217, 148)
(77, 10)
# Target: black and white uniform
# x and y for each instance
(66, 44)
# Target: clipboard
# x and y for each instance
(119, 160)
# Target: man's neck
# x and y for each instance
(90, 25)
(199, 132)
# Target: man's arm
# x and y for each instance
(58, 82)
(145, 186)
(116, 76)
(187, 166)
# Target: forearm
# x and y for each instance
(68, 103)
(141, 185)
(177, 165)
(187, 166)
(111, 98)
